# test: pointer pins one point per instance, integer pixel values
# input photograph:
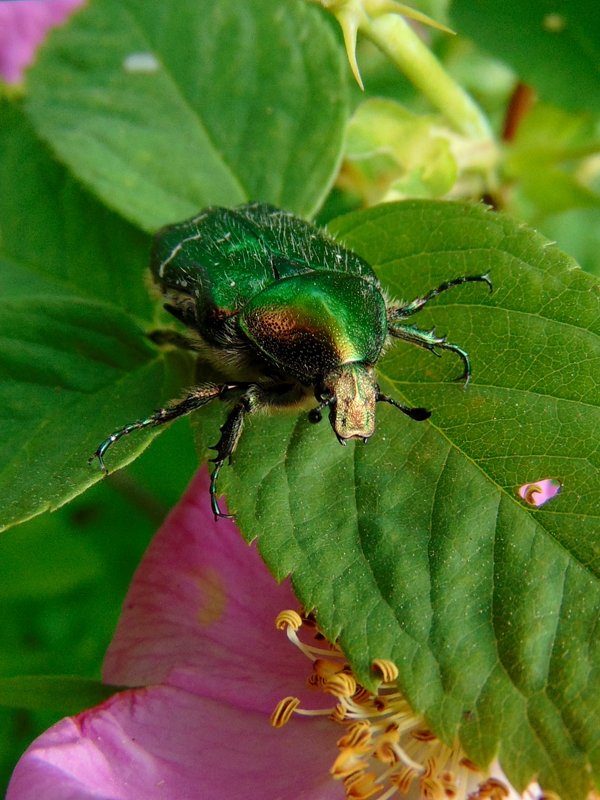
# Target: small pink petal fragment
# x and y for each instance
(23, 27)
(538, 493)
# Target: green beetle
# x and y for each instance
(287, 315)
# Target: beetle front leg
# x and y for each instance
(231, 432)
(431, 342)
(196, 399)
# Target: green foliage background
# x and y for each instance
(423, 552)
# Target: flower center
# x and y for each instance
(386, 750)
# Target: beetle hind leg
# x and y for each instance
(167, 337)
(253, 399)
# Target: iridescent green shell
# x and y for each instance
(311, 323)
(307, 303)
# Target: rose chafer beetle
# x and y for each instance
(287, 315)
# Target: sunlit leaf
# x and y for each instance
(418, 546)
(75, 362)
(165, 108)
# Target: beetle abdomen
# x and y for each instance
(312, 323)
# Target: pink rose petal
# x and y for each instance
(163, 743)
(198, 622)
(201, 609)
(23, 27)
(538, 493)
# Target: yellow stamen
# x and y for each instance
(385, 750)
(341, 685)
(362, 787)
(290, 622)
(358, 736)
(325, 668)
(492, 789)
(284, 710)
(423, 735)
(349, 762)
(288, 619)
(387, 669)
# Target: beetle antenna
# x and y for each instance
(418, 414)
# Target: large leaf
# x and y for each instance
(163, 108)
(55, 237)
(418, 546)
(74, 360)
(76, 363)
(554, 45)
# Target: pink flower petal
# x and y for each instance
(198, 621)
(200, 612)
(164, 743)
(23, 27)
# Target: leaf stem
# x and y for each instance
(403, 46)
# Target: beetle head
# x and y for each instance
(350, 391)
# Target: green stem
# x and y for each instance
(402, 45)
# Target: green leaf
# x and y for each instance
(418, 546)
(578, 232)
(73, 245)
(165, 108)
(554, 45)
(74, 359)
(65, 693)
(70, 372)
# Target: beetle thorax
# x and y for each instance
(351, 392)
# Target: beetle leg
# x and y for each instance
(431, 342)
(418, 414)
(184, 311)
(231, 432)
(314, 415)
(196, 399)
(404, 310)
(255, 397)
